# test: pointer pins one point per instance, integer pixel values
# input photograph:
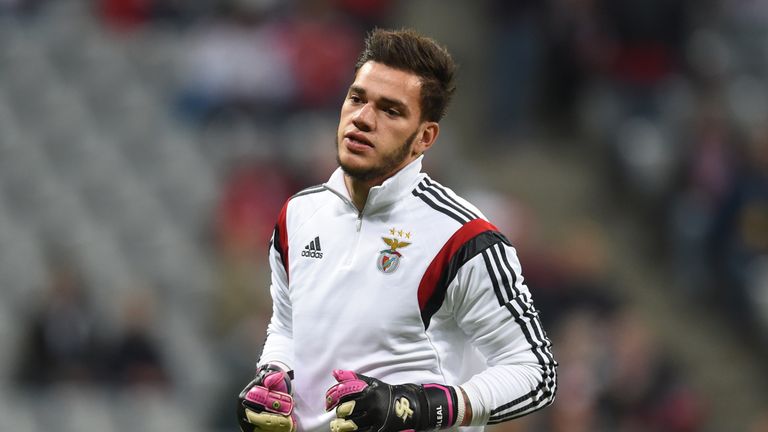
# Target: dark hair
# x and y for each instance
(412, 52)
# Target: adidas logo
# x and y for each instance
(312, 250)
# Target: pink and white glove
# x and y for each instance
(367, 404)
(266, 404)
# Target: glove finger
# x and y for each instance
(344, 375)
(270, 422)
(341, 425)
(335, 394)
(276, 381)
(345, 409)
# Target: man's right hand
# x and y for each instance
(266, 404)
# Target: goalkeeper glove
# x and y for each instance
(266, 404)
(363, 403)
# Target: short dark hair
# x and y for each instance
(410, 51)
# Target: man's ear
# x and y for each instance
(427, 137)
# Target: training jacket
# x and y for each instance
(418, 287)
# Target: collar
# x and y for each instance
(390, 191)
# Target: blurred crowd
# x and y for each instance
(670, 96)
(615, 373)
(66, 342)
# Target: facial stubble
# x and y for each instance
(385, 168)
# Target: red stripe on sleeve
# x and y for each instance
(282, 231)
(435, 270)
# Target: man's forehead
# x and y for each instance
(382, 80)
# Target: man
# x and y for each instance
(398, 306)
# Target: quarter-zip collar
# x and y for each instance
(390, 191)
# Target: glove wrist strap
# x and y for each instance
(275, 367)
(442, 406)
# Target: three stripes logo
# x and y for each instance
(312, 250)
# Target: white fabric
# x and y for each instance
(342, 312)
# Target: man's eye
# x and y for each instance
(393, 112)
(354, 98)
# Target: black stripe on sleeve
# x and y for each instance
(468, 250)
(429, 202)
(451, 197)
(519, 315)
(504, 279)
(529, 307)
(278, 245)
(494, 282)
(525, 315)
(536, 399)
(446, 204)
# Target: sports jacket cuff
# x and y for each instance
(480, 413)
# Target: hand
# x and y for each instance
(363, 403)
(266, 404)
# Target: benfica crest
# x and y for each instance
(389, 259)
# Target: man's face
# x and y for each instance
(380, 128)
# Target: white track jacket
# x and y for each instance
(417, 287)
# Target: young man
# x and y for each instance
(396, 303)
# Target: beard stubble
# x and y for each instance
(385, 168)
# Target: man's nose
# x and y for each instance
(365, 119)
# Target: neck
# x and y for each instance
(358, 190)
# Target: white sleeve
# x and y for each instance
(278, 347)
(494, 308)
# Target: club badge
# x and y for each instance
(389, 259)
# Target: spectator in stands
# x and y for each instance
(574, 276)
(61, 343)
(130, 15)
(125, 14)
(135, 358)
(643, 389)
(577, 53)
(582, 334)
(648, 36)
(239, 61)
(515, 52)
(21, 7)
(740, 234)
(322, 42)
(614, 375)
(706, 173)
(367, 14)
(252, 193)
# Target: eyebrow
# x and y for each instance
(395, 103)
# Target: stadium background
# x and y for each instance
(147, 145)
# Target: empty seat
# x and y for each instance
(17, 415)
(78, 409)
(22, 264)
(152, 411)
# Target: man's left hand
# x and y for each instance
(363, 403)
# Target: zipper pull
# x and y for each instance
(359, 221)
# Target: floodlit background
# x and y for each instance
(146, 147)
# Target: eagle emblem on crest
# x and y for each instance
(389, 259)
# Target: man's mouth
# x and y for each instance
(358, 139)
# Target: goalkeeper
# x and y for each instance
(396, 304)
